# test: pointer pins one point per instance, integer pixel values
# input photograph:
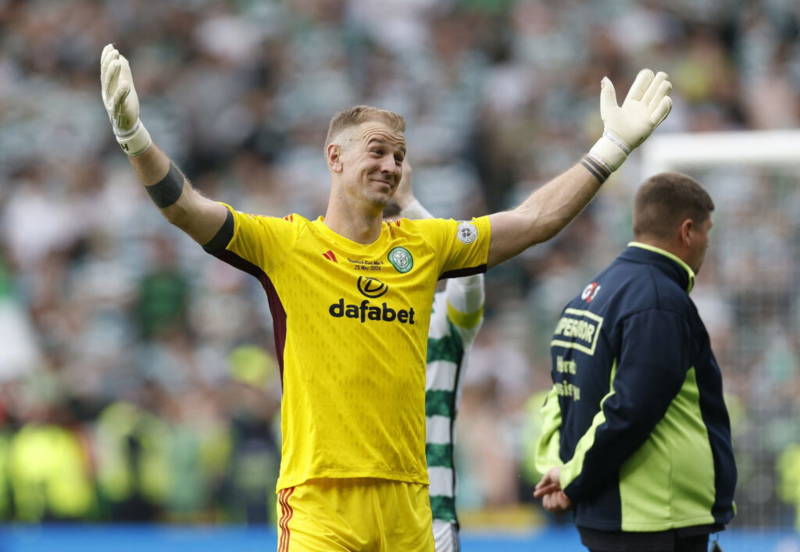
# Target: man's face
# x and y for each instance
(372, 161)
(699, 244)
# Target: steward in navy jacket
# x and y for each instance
(636, 416)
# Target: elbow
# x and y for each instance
(184, 211)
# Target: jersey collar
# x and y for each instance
(689, 284)
(345, 242)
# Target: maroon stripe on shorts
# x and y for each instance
(286, 517)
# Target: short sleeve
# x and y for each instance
(462, 247)
(257, 240)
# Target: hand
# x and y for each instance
(549, 483)
(404, 194)
(121, 101)
(556, 502)
(627, 126)
(549, 490)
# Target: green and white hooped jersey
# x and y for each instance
(456, 318)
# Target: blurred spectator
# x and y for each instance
(163, 299)
(130, 455)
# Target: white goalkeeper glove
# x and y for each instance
(627, 126)
(121, 102)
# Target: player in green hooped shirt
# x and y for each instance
(456, 318)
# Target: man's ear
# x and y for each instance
(685, 231)
(333, 155)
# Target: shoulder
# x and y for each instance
(292, 223)
(415, 226)
(286, 220)
(414, 232)
(647, 287)
(447, 232)
(252, 228)
(474, 225)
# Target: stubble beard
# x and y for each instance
(375, 197)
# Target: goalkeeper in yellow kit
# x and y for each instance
(351, 297)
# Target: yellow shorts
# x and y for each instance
(354, 515)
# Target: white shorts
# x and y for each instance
(445, 535)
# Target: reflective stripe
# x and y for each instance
(572, 469)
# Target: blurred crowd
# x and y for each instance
(137, 376)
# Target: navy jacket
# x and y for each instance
(636, 414)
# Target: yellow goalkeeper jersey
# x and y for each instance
(351, 327)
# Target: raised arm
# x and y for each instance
(169, 189)
(551, 207)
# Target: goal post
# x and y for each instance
(664, 152)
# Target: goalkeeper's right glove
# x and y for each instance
(627, 126)
(121, 102)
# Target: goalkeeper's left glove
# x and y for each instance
(121, 102)
(627, 126)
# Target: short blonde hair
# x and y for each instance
(361, 114)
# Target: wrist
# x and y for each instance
(610, 151)
(134, 141)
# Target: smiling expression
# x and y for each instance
(371, 158)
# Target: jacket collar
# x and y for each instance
(671, 265)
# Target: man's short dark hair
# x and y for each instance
(665, 200)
